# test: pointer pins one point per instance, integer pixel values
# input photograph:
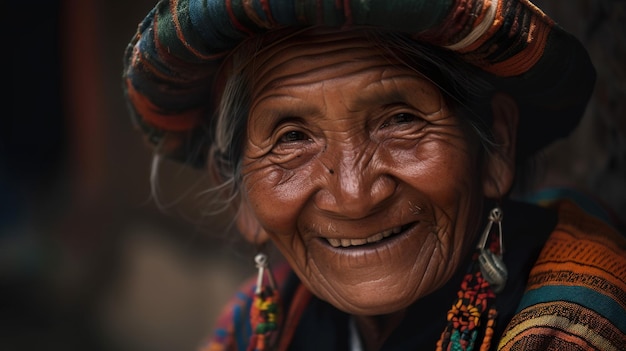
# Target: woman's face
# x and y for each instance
(358, 170)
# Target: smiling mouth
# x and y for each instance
(378, 237)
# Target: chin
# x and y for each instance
(374, 298)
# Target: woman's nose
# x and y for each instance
(355, 191)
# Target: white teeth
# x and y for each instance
(334, 242)
(357, 242)
(374, 238)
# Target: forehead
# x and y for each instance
(320, 48)
(322, 56)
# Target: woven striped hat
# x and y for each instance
(170, 64)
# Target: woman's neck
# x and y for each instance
(374, 330)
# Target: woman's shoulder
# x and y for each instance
(576, 291)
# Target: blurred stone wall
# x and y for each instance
(593, 158)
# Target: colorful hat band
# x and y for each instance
(171, 62)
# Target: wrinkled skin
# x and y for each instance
(343, 145)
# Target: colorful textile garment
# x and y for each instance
(576, 293)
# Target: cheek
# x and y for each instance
(276, 197)
(447, 174)
(442, 166)
(454, 179)
(456, 190)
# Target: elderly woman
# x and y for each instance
(375, 143)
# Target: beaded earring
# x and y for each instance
(474, 307)
(264, 312)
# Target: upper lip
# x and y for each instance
(344, 242)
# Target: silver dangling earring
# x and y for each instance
(262, 264)
(491, 264)
(265, 314)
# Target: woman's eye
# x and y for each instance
(402, 118)
(293, 136)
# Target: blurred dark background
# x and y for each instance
(87, 259)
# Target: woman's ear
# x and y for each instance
(249, 226)
(499, 170)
